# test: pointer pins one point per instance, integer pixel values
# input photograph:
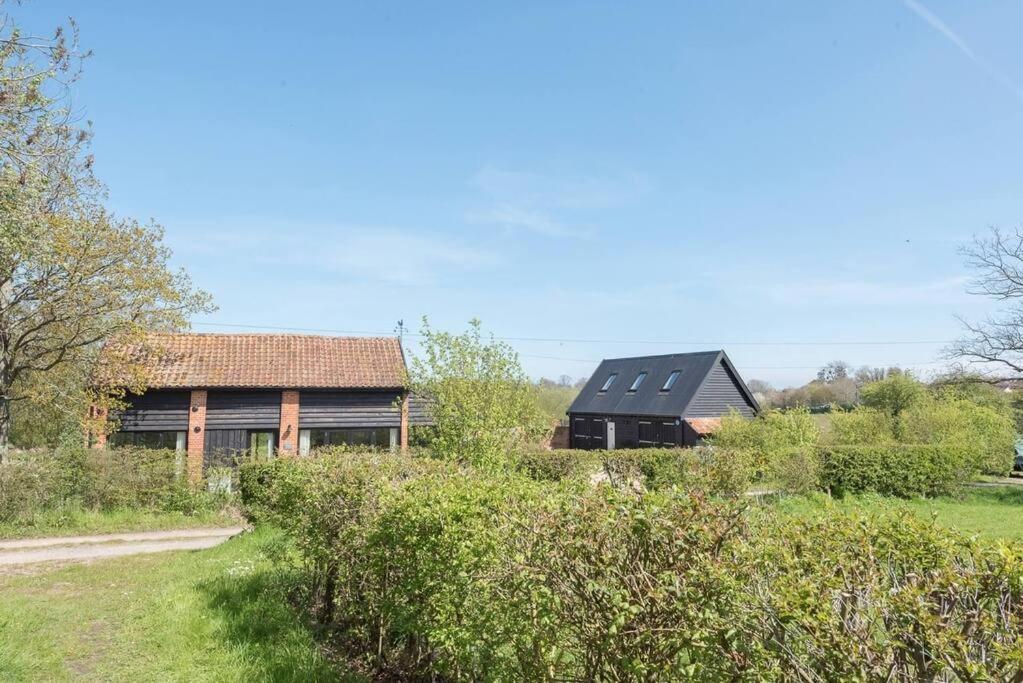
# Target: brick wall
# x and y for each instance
(196, 435)
(99, 416)
(289, 423)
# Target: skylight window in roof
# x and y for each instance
(609, 382)
(639, 380)
(670, 382)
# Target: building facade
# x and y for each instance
(214, 395)
(657, 401)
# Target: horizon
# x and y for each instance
(788, 184)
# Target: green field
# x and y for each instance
(989, 513)
(213, 615)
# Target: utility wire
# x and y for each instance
(596, 341)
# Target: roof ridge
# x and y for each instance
(238, 335)
(667, 355)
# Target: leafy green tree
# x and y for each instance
(482, 403)
(892, 394)
(72, 276)
(985, 433)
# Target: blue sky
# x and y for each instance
(655, 177)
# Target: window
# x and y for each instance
(169, 440)
(375, 438)
(672, 378)
(639, 380)
(609, 382)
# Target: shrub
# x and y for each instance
(710, 470)
(96, 479)
(768, 433)
(987, 434)
(860, 427)
(429, 571)
(896, 470)
(796, 470)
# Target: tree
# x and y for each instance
(996, 341)
(481, 401)
(893, 395)
(72, 276)
(835, 370)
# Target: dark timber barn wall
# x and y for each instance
(156, 411)
(319, 409)
(654, 413)
(719, 390)
(243, 410)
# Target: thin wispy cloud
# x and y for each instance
(548, 206)
(399, 257)
(362, 253)
(515, 219)
(946, 31)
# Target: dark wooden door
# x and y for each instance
(221, 445)
(597, 429)
(580, 433)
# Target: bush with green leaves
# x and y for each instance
(426, 570)
(893, 394)
(98, 480)
(717, 471)
(986, 433)
(860, 426)
(480, 401)
(903, 470)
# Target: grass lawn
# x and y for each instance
(211, 615)
(75, 522)
(990, 513)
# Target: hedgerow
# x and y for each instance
(712, 470)
(901, 470)
(97, 480)
(429, 570)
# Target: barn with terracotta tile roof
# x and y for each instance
(657, 401)
(214, 395)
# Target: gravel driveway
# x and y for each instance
(71, 548)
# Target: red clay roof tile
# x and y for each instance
(186, 360)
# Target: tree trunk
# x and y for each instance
(5, 426)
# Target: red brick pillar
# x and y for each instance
(99, 415)
(403, 430)
(289, 423)
(196, 435)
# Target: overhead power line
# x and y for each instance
(569, 340)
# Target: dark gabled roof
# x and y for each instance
(649, 399)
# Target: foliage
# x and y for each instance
(892, 394)
(481, 401)
(554, 399)
(861, 426)
(901, 470)
(95, 480)
(71, 274)
(717, 471)
(987, 434)
(795, 469)
(425, 570)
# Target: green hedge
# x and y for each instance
(429, 571)
(712, 470)
(97, 480)
(896, 469)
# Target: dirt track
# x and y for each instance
(72, 548)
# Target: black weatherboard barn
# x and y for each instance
(657, 401)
